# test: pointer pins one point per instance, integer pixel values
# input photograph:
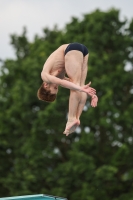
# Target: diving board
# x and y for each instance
(34, 197)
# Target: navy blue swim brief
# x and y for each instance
(78, 47)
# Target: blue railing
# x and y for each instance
(34, 197)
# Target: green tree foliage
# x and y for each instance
(96, 161)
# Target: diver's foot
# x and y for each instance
(71, 126)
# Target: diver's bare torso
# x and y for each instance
(58, 64)
(55, 64)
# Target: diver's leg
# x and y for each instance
(83, 96)
(77, 100)
(73, 67)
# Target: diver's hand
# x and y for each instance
(89, 90)
(94, 100)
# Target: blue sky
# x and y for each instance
(38, 14)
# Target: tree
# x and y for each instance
(95, 161)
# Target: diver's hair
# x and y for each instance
(45, 94)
